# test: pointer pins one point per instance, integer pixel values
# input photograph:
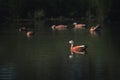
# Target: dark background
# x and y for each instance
(10, 9)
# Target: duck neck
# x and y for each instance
(71, 46)
(71, 49)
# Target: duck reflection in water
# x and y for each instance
(80, 49)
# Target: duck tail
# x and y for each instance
(82, 46)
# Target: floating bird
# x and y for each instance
(22, 29)
(29, 33)
(59, 27)
(76, 49)
(79, 26)
(94, 28)
(80, 49)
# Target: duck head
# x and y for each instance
(74, 23)
(53, 27)
(71, 41)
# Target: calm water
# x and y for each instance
(45, 56)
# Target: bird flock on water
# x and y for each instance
(78, 49)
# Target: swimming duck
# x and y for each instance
(22, 29)
(79, 26)
(59, 27)
(29, 33)
(80, 49)
(94, 28)
(76, 49)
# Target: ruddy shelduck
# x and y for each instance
(79, 26)
(94, 28)
(22, 29)
(59, 27)
(76, 49)
(29, 33)
(80, 49)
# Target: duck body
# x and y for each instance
(29, 33)
(59, 27)
(79, 26)
(95, 28)
(77, 49)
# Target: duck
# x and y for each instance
(94, 28)
(59, 27)
(29, 33)
(79, 26)
(77, 49)
(22, 29)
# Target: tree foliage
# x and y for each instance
(54, 8)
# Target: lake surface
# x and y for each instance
(45, 56)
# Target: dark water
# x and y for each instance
(45, 56)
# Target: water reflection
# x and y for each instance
(79, 68)
(44, 56)
(95, 33)
(7, 72)
(99, 69)
(80, 53)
